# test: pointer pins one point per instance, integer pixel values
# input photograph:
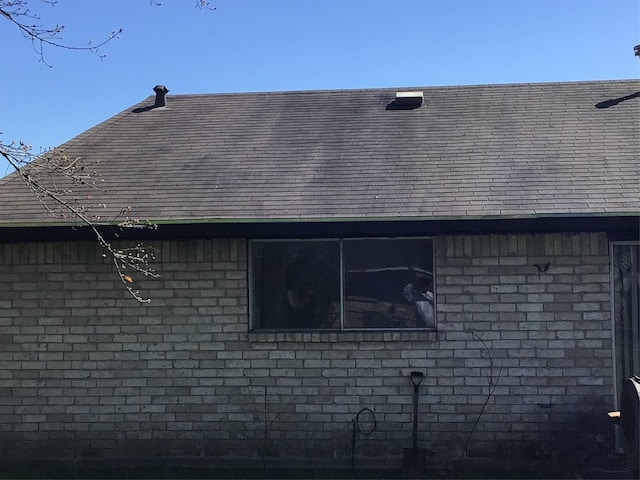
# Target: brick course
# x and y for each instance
(87, 372)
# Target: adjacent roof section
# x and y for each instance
(464, 152)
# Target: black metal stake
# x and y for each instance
(353, 444)
(415, 417)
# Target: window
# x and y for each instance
(625, 268)
(625, 306)
(383, 283)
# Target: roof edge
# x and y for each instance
(291, 220)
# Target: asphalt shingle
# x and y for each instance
(471, 151)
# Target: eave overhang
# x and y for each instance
(620, 226)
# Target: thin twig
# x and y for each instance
(492, 387)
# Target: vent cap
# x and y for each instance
(161, 95)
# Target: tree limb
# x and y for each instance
(31, 169)
(19, 13)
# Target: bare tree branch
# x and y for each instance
(51, 177)
(30, 25)
(19, 13)
(199, 4)
(55, 178)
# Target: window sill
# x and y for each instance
(343, 336)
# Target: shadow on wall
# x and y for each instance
(583, 432)
(576, 435)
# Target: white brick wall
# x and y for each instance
(88, 373)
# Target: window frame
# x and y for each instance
(340, 240)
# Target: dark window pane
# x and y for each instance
(296, 284)
(626, 310)
(388, 283)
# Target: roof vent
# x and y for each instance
(406, 101)
(414, 99)
(161, 95)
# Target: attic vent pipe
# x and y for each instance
(161, 95)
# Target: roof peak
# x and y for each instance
(409, 88)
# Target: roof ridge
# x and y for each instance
(405, 87)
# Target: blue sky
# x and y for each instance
(273, 45)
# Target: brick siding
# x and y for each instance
(88, 373)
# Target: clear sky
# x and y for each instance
(273, 45)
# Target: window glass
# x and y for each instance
(388, 283)
(626, 308)
(384, 284)
(625, 273)
(296, 284)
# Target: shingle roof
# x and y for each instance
(468, 152)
